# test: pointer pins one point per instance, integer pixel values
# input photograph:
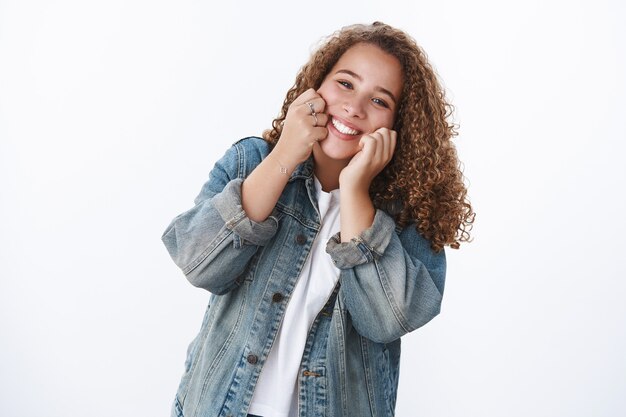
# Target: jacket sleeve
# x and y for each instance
(391, 283)
(213, 242)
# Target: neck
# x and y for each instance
(327, 170)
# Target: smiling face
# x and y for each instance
(362, 93)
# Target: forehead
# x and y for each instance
(373, 64)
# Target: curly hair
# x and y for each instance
(423, 182)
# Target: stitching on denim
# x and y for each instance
(178, 407)
(368, 376)
(205, 254)
(241, 154)
(296, 215)
(397, 312)
(339, 327)
(201, 347)
(218, 356)
(363, 248)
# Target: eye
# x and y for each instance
(346, 84)
(380, 102)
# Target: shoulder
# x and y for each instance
(252, 147)
(236, 163)
(420, 247)
(411, 234)
(250, 151)
(243, 156)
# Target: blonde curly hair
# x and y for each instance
(423, 182)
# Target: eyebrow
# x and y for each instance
(377, 88)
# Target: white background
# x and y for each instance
(112, 114)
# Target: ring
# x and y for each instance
(315, 117)
(311, 107)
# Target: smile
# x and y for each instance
(343, 128)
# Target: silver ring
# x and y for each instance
(312, 108)
(315, 117)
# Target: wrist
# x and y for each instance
(283, 163)
(358, 186)
(357, 214)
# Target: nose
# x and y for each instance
(353, 107)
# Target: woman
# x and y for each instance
(322, 243)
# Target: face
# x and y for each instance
(362, 92)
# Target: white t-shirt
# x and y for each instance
(275, 393)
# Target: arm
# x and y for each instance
(357, 210)
(392, 283)
(262, 189)
(213, 242)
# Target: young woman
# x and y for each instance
(322, 242)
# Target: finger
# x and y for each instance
(305, 96)
(322, 119)
(392, 144)
(315, 103)
(368, 146)
(319, 133)
(376, 136)
(318, 103)
(389, 145)
(383, 132)
(384, 148)
(378, 147)
(385, 145)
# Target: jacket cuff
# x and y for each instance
(365, 247)
(228, 205)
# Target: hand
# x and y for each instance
(376, 151)
(300, 130)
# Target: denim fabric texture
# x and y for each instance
(391, 283)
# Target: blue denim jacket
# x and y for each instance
(391, 283)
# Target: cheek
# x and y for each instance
(323, 89)
(325, 93)
(386, 121)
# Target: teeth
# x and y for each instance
(343, 128)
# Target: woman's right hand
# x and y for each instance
(300, 130)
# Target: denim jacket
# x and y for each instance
(391, 282)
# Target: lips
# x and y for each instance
(344, 128)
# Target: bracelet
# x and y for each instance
(283, 169)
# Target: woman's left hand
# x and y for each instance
(376, 152)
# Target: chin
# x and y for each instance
(339, 151)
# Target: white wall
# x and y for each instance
(112, 113)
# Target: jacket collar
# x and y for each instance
(304, 170)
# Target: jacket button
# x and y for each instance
(277, 297)
(300, 239)
(252, 359)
